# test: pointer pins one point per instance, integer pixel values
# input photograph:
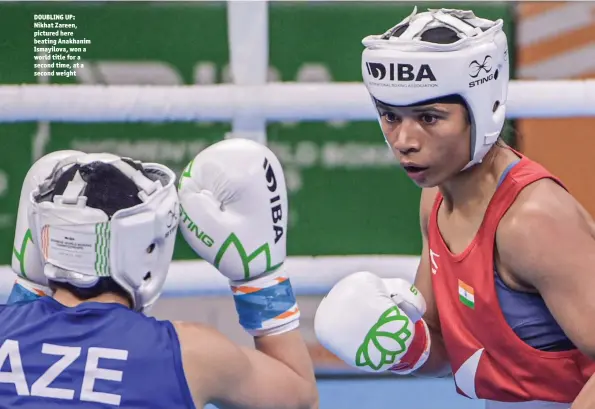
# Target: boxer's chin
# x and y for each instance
(421, 176)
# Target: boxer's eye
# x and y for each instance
(428, 119)
(390, 117)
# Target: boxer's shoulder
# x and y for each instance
(543, 201)
(542, 218)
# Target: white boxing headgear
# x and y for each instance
(26, 261)
(400, 68)
(80, 244)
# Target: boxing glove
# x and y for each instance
(373, 324)
(233, 213)
(26, 260)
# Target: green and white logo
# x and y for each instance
(186, 173)
(385, 340)
(20, 255)
(234, 242)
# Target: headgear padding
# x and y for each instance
(80, 244)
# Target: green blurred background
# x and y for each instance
(346, 194)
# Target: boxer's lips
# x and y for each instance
(413, 167)
(414, 171)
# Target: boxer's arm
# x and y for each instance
(546, 243)
(277, 374)
(437, 364)
(586, 397)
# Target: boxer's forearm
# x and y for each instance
(437, 364)
(290, 349)
(586, 397)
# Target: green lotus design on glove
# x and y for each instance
(383, 338)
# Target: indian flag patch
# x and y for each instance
(466, 294)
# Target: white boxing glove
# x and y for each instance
(233, 213)
(26, 260)
(373, 324)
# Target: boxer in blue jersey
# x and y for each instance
(94, 241)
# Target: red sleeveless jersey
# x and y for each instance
(488, 359)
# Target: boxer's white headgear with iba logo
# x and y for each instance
(404, 67)
(80, 244)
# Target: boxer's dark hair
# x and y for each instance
(447, 99)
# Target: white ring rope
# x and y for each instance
(248, 105)
(309, 275)
(272, 102)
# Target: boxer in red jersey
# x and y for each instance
(504, 282)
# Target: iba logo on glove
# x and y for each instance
(276, 211)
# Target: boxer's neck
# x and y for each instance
(68, 299)
(476, 185)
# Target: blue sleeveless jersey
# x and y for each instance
(95, 355)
